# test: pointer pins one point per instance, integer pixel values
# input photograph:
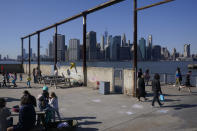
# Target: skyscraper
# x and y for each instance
(74, 49)
(102, 43)
(187, 50)
(149, 48)
(108, 47)
(115, 48)
(51, 49)
(60, 47)
(91, 45)
(124, 41)
(156, 52)
(142, 46)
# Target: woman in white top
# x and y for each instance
(53, 102)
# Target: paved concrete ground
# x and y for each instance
(118, 112)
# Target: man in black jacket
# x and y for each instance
(156, 88)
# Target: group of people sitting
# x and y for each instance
(27, 113)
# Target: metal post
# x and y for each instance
(135, 48)
(29, 56)
(55, 57)
(38, 51)
(84, 51)
(21, 51)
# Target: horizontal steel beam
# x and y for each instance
(159, 3)
(99, 7)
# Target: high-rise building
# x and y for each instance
(51, 50)
(60, 47)
(125, 53)
(102, 43)
(187, 50)
(108, 47)
(74, 49)
(165, 55)
(149, 48)
(124, 41)
(91, 45)
(105, 38)
(156, 52)
(115, 48)
(142, 47)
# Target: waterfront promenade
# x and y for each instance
(116, 112)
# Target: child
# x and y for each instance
(4, 114)
(4, 80)
(14, 80)
(21, 77)
(53, 102)
(28, 81)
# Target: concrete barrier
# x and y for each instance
(94, 74)
(11, 68)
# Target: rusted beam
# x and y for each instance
(104, 5)
(155, 4)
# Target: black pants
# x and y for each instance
(156, 98)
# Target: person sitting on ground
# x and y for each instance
(141, 87)
(4, 114)
(27, 116)
(43, 99)
(32, 98)
(53, 102)
(156, 88)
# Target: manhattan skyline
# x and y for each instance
(172, 24)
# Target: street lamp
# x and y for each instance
(135, 38)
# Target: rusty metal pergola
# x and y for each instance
(84, 15)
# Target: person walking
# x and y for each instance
(141, 88)
(146, 76)
(139, 72)
(178, 78)
(187, 81)
(4, 80)
(34, 75)
(156, 88)
(21, 77)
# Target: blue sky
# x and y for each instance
(172, 25)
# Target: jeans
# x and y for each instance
(156, 98)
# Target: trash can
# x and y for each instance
(104, 87)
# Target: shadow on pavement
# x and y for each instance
(10, 99)
(85, 122)
(86, 129)
(182, 106)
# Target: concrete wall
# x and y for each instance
(94, 74)
(11, 68)
(128, 80)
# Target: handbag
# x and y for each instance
(161, 97)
